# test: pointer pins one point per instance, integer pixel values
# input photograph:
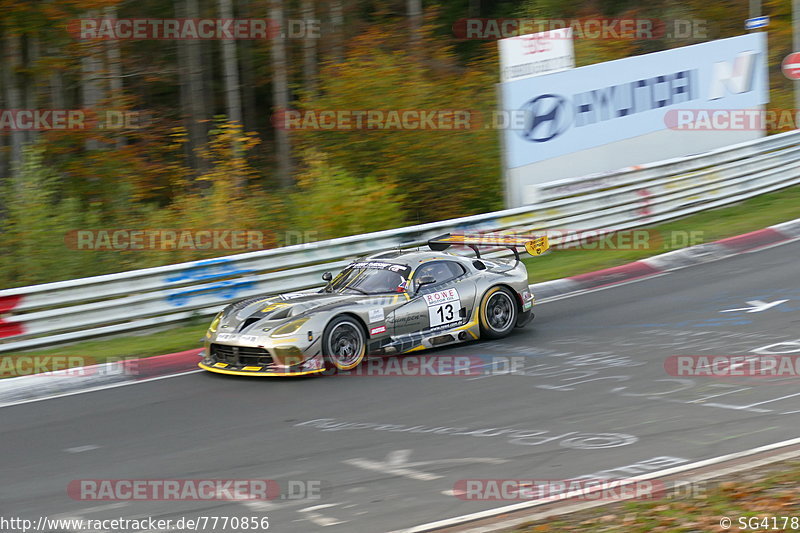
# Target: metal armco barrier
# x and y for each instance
(78, 309)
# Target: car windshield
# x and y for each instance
(371, 278)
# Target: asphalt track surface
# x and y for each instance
(594, 397)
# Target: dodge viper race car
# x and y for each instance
(388, 303)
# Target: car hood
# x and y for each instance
(276, 310)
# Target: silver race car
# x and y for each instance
(389, 303)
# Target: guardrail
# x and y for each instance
(72, 310)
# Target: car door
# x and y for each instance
(445, 303)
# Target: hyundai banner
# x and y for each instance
(616, 114)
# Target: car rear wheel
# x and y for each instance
(498, 313)
(344, 343)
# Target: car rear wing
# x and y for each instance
(534, 245)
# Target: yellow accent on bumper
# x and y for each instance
(416, 349)
(471, 324)
(260, 374)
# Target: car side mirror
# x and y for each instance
(327, 276)
(425, 280)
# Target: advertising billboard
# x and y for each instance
(626, 112)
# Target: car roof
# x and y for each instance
(415, 257)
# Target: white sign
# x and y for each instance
(530, 55)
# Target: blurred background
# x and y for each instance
(203, 147)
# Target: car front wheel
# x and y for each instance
(344, 343)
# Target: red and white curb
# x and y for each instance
(14, 391)
(25, 389)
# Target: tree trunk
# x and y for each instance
(13, 61)
(280, 94)
(197, 97)
(33, 97)
(337, 21)
(184, 90)
(115, 74)
(414, 12)
(56, 83)
(233, 100)
(309, 50)
(91, 86)
(248, 79)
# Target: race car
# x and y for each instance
(392, 302)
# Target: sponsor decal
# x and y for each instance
(293, 295)
(443, 307)
(312, 364)
(440, 297)
(379, 329)
(411, 320)
(235, 337)
(376, 315)
(379, 265)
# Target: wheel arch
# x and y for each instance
(515, 292)
(354, 316)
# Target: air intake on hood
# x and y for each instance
(281, 313)
(248, 322)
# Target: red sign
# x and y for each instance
(791, 66)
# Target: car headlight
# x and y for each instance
(215, 323)
(288, 329)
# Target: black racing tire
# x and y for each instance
(344, 343)
(498, 313)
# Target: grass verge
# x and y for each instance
(752, 496)
(750, 215)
